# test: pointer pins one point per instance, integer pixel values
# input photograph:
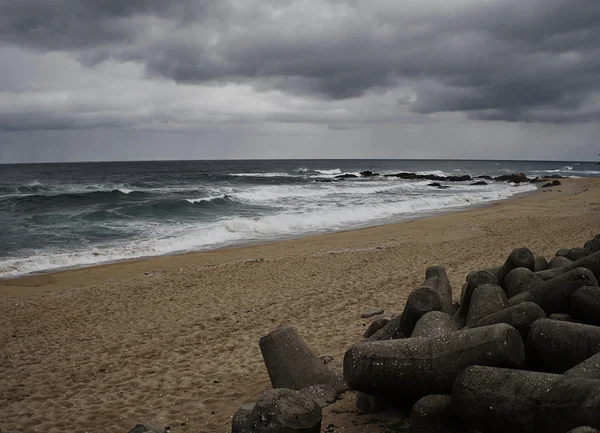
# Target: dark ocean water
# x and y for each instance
(67, 215)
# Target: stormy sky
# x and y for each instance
(211, 79)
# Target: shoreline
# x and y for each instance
(174, 340)
(15, 280)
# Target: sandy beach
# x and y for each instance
(174, 340)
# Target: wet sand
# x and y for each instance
(174, 340)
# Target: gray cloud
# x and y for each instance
(500, 60)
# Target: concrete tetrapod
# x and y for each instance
(434, 324)
(376, 326)
(555, 346)
(369, 404)
(585, 305)
(554, 296)
(577, 254)
(558, 262)
(564, 317)
(474, 280)
(292, 364)
(435, 294)
(541, 264)
(407, 370)
(487, 299)
(591, 262)
(520, 317)
(280, 411)
(391, 331)
(520, 280)
(518, 258)
(589, 368)
(499, 400)
(431, 414)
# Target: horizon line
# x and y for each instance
(289, 159)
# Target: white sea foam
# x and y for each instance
(261, 174)
(333, 171)
(273, 193)
(433, 172)
(206, 199)
(306, 216)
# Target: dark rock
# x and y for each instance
(464, 178)
(485, 176)
(368, 173)
(480, 182)
(563, 252)
(324, 180)
(437, 184)
(409, 369)
(584, 429)
(415, 176)
(346, 176)
(376, 326)
(371, 312)
(499, 400)
(548, 185)
(556, 182)
(515, 177)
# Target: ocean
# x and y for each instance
(65, 215)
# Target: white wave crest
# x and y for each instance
(334, 171)
(206, 199)
(261, 174)
(432, 172)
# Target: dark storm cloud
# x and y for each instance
(512, 60)
(80, 24)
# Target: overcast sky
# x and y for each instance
(209, 79)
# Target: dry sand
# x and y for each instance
(174, 340)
